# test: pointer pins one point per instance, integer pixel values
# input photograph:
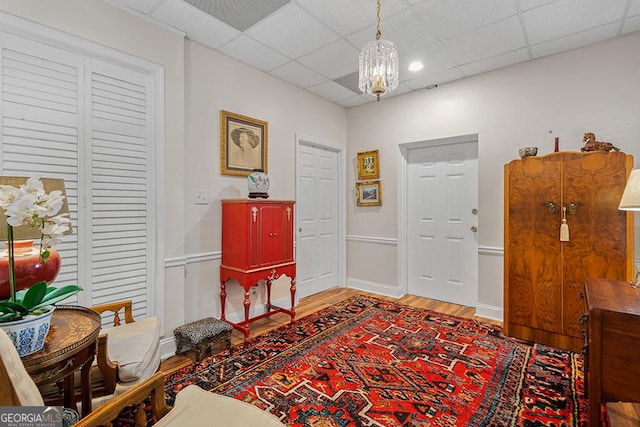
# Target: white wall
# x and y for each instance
(215, 82)
(594, 89)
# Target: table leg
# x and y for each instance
(85, 387)
(223, 298)
(69, 392)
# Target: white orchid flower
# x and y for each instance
(8, 195)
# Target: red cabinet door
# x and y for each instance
(256, 233)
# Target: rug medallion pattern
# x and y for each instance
(369, 362)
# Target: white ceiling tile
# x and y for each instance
(292, 32)
(404, 29)
(530, 4)
(352, 101)
(434, 58)
(198, 26)
(298, 74)
(634, 8)
(446, 18)
(333, 61)
(486, 42)
(435, 79)
(331, 90)
(631, 24)
(564, 17)
(251, 52)
(574, 41)
(347, 17)
(500, 61)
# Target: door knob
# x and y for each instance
(300, 230)
(474, 228)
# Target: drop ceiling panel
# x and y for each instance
(298, 74)
(486, 42)
(496, 62)
(631, 24)
(331, 91)
(336, 60)
(293, 32)
(446, 18)
(436, 78)
(251, 52)
(574, 41)
(348, 16)
(565, 17)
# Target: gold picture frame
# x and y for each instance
(243, 144)
(369, 193)
(368, 165)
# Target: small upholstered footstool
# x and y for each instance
(199, 335)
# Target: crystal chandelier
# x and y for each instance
(378, 71)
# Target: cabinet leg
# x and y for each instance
(293, 298)
(247, 305)
(268, 295)
(223, 298)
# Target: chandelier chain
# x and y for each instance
(378, 33)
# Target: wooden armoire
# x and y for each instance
(544, 277)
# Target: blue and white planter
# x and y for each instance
(28, 334)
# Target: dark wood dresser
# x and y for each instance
(612, 365)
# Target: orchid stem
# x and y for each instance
(12, 280)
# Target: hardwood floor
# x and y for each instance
(621, 414)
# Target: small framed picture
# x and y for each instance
(369, 193)
(243, 144)
(368, 165)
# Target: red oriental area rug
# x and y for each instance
(369, 362)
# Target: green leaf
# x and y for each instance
(34, 295)
(10, 307)
(58, 295)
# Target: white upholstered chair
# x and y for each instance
(128, 352)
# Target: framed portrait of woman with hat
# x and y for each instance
(243, 144)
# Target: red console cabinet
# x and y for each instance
(257, 244)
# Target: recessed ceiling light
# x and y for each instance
(415, 66)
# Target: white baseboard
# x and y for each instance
(489, 312)
(376, 288)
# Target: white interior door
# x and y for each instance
(317, 219)
(442, 223)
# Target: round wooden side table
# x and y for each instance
(70, 345)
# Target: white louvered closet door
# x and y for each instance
(71, 117)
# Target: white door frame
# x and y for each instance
(342, 200)
(403, 199)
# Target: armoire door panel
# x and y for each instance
(597, 247)
(534, 271)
